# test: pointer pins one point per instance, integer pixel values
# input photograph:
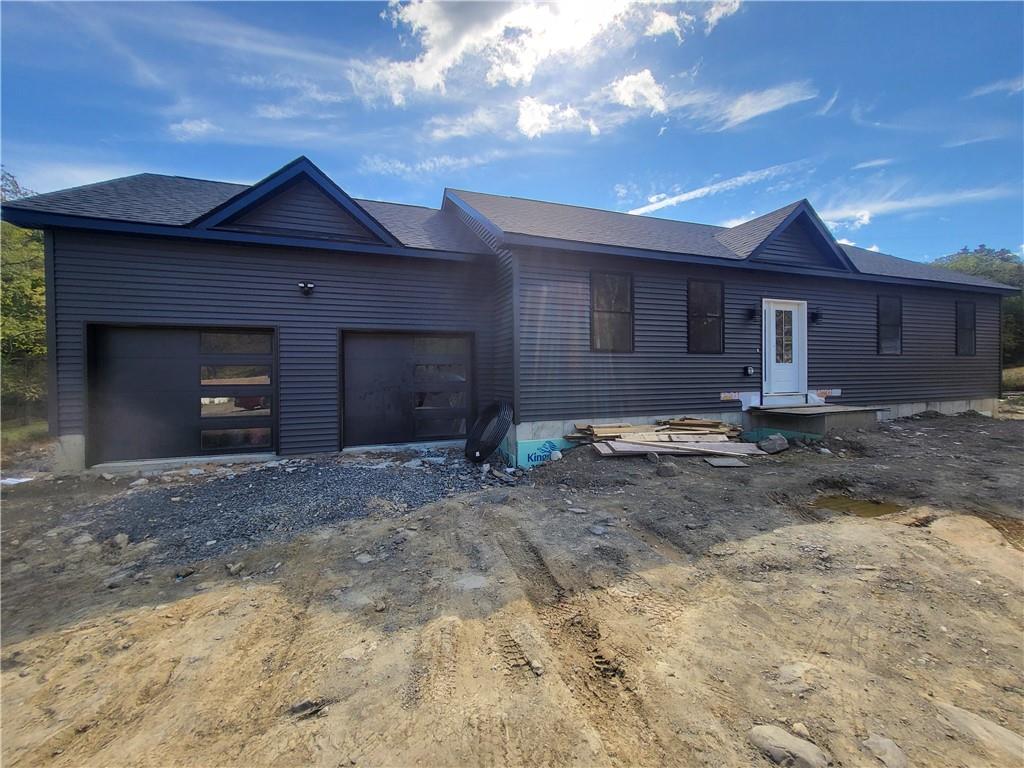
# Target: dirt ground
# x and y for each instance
(598, 613)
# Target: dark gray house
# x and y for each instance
(191, 317)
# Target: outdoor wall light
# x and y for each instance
(306, 287)
(748, 370)
(817, 315)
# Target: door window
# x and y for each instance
(783, 336)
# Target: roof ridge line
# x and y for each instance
(586, 208)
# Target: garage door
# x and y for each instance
(402, 387)
(160, 392)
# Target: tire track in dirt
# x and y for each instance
(596, 674)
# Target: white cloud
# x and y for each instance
(877, 163)
(639, 90)
(662, 23)
(275, 111)
(657, 198)
(844, 241)
(736, 221)
(874, 248)
(47, 176)
(827, 107)
(625, 191)
(743, 180)
(480, 120)
(753, 104)
(954, 143)
(511, 41)
(434, 165)
(537, 118)
(1009, 86)
(717, 11)
(858, 213)
(193, 128)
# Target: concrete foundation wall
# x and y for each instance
(555, 430)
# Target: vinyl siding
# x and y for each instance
(562, 379)
(794, 246)
(501, 275)
(302, 208)
(111, 279)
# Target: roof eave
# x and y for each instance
(576, 246)
(29, 219)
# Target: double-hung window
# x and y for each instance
(611, 312)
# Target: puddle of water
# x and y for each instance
(858, 507)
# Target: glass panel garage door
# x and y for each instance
(401, 387)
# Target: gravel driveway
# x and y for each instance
(206, 512)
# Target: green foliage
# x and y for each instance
(22, 314)
(1003, 266)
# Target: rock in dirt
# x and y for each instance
(667, 470)
(799, 729)
(309, 708)
(81, 540)
(783, 748)
(886, 750)
(138, 483)
(185, 572)
(234, 568)
(364, 557)
(773, 444)
(598, 530)
(119, 541)
(107, 476)
(555, 456)
(653, 458)
(992, 736)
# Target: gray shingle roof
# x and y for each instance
(150, 198)
(592, 225)
(875, 263)
(145, 198)
(744, 238)
(420, 227)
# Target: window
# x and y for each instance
(965, 317)
(222, 439)
(705, 306)
(890, 325)
(611, 312)
(235, 343)
(234, 374)
(234, 405)
(784, 336)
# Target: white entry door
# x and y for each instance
(785, 352)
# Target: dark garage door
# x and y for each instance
(403, 387)
(163, 392)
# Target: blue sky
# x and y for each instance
(903, 124)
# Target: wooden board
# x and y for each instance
(725, 461)
(714, 449)
(674, 437)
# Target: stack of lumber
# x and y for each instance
(681, 436)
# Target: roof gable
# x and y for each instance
(791, 236)
(279, 199)
(301, 208)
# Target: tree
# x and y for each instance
(1003, 266)
(22, 309)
